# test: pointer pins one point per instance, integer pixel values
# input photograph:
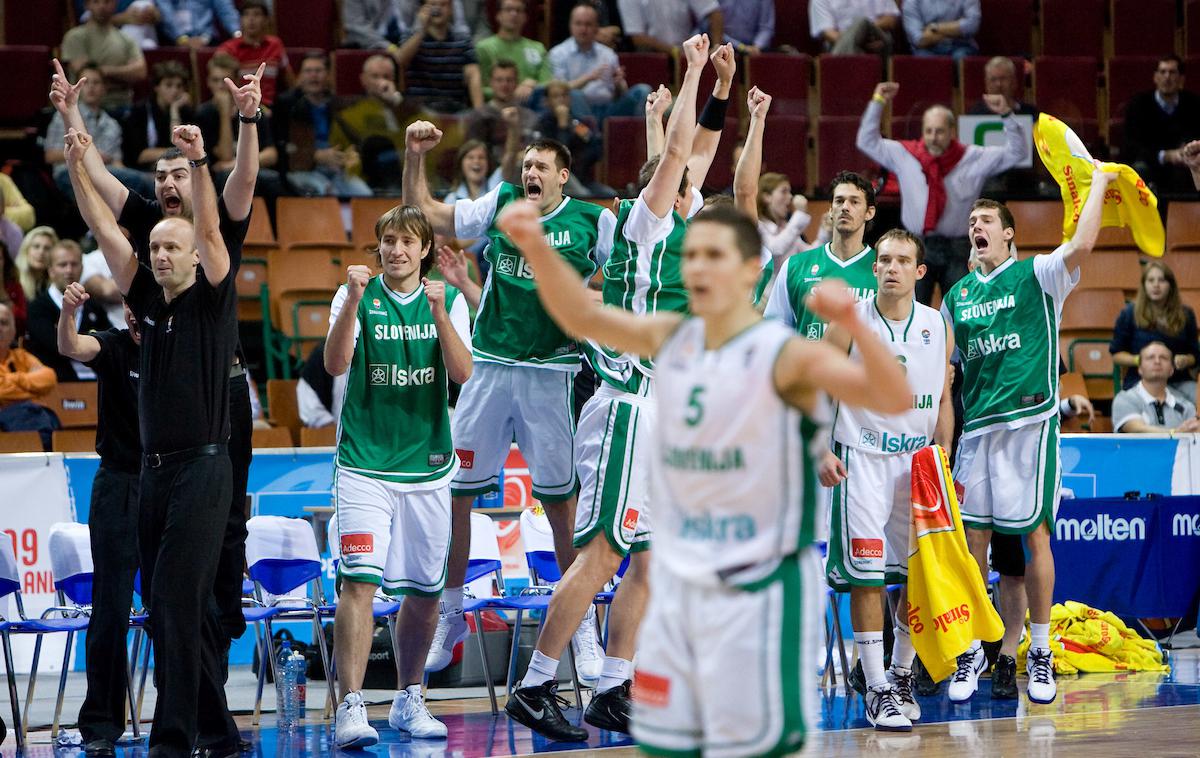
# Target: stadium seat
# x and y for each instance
(1091, 312)
(308, 23)
(302, 270)
(1190, 298)
(1191, 27)
(836, 149)
(1186, 267)
(1007, 27)
(1065, 87)
(785, 148)
(1106, 269)
(1125, 77)
(785, 77)
(1183, 226)
(1090, 357)
(924, 81)
(347, 71)
(154, 56)
(272, 436)
(74, 402)
(74, 441)
(20, 442)
(1039, 224)
(972, 81)
(41, 22)
(304, 320)
(624, 150)
(791, 27)
(648, 68)
(1143, 27)
(324, 436)
(1073, 27)
(720, 173)
(25, 95)
(364, 212)
(202, 57)
(296, 54)
(282, 406)
(737, 94)
(310, 222)
(845, 83)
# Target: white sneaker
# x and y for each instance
(883, 710)
(1039, 664)
(589, 657)
(965, 681)
(451, 630)
(902, 682)
(409, 714)
(350, 726)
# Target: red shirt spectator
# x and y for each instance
(256, 47)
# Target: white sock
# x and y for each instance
(614, 673)
(452, 600)
(542, 669)
(870, 652)
(1039, 636)
(903, 651)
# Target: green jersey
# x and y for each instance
(1006, 332)
(802, 272)
(395, 423)
(512, 327)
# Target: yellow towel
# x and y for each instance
(1128, 201)
(948, 606)
(1087, 640)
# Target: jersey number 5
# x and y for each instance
(695, 407)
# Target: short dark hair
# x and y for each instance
(903, 235)
(504, 63)
(90, 65)
(171, 154)
(1169, 58)
(407, 218)
(315, 55)
(170, 70)
(745, 230)
(249, 5)
(858, 180)
(1006, 217)
(562, 156)
(646, 173)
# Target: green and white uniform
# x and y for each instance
(871, 513)
(1006, 333)
(395, 456)
(615, 439)
(725, 653)
(521, 385)
(802, 272)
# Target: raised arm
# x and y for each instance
(79, 347)
(210, 245)
(870, 141)
(419, 139)
(1088, 227)
(65, 98)
(453, 265)
(708, 130)
(1191, 159)
(96, 214)
(339, 345)
(566, 299)
(749, 165)
(663, 188)
(239, 187)
(657, 103)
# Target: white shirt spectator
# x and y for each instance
(669, 21)
(840, 14)
(1136, 402)
(569, 62)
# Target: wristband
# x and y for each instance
(713, 116)
(879, 99)
(202, 161)
(258, 114)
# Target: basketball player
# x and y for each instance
(400, 337)
(870, 469)
(1005, 318)
(726, 648)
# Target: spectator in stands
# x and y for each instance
(382, 24)
(1158, 124)
(939, 179)
(193, 23)
(854, 26)
(942, 27)
(319, 395)
(136, 18)
(1000, 78)
(663, 25)
(593, 69)
(99, 43)
(12, 290)
(489, 124)
(33, 260)
(105, 130)
(1151, 405)
(22, 376)
(97, 281)
(374, 125)
(473, 178)
(16, 214)
(255, 47)
(441, 68)
(66, 266)
(147, 131)
(782, 216)
(610, 32)
(749, 25)
(507, 44)
(1157, 315)
(218, 122)
(303, 120)
(579, 133)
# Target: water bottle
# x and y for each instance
(290, 687)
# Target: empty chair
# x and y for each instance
(846, 82)
(1091, 313)
(1007, 27)
(1072, 27)
(1183, 226)
(924, 81)
(1111, 270)
(24, 95)
(282, 407)
(307, 23)
(33, 23)
(624, 150)
(320, 436)
(786, 78)
(836, 149)
(1143, 27)
(720, 173)
(75, 403)
(648, 68)
(791, 27)
(785, 148)
(1039, 224)
(347, 71)
(272, 436)
(73, 441)
(20, 442)
(310, 222)
(1089, 357)
(1066, 88)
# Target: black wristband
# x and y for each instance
(712, 117)
(258, 114)
(202, 161)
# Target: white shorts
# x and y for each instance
(391, 535)
(1010, 478)
(534, 405)
(729, 672)
(614, 447)
(870, 520)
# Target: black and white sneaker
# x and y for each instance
(902, 682)
(1039, 664)
(966, 676)
(883, 710)
(609, 710)
(540, 709)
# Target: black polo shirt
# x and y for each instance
(187, 348)
(117, 366)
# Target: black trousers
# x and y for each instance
(184, 508)
(232, 564)
(113, 523)
(945, 263)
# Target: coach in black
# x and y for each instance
(112, 518)
(186, 307)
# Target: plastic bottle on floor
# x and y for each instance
(290, 688)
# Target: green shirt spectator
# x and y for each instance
(533, 65)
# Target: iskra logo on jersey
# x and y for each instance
(891, 443)
(512, 264)
(979, 347)
(391, 375)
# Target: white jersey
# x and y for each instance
(734, 491)
(919, 343)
